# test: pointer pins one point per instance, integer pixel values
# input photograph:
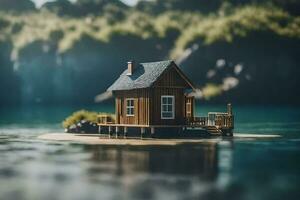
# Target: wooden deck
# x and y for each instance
(215, 123)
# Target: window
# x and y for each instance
(129, 107)
(167, 107)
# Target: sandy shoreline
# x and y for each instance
(97, 139)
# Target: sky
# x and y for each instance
(40, 2)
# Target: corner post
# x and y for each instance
(230, 120)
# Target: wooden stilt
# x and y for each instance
(117, 131)
(109, 131)
(142, 132)
(99, 129)
(125, 131)
(152, 131)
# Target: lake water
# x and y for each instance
(252, 169)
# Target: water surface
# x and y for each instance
(255, 169)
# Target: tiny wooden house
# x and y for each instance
(157, 95)
(153, 94)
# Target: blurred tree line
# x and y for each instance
(244, 51)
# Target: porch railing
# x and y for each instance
(197, 121)
(106, 119)
(220, 120)
(224, 121)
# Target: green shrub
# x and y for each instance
(78, 116)
(90, 116)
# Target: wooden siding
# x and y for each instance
(155, 106)
(141, 107)
(170, 83)
(171, 79)
(147, 102)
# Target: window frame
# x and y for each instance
(167, 104)
(129, 107)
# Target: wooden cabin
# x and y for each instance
(154, 95)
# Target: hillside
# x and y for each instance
(68, 53)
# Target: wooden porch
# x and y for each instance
(215, 123)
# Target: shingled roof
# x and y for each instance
(144, 75)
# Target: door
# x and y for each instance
(189, 108)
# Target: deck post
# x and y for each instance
(229, 109)
(142, 131)
(152, 131)
(109, 131)
(125, 131)
(99, 129)
(117, 131)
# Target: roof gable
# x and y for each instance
(145, 75)
(173, 77)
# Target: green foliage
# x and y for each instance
(78, 116)
(225, 24)
(90, 116)
(238, 23)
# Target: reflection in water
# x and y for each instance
(187, 160)
(224, 164)
(258, 169)
(30, 169)
(162, 172)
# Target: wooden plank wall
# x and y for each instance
(155, 106)
(170, 79)
(170, 83)
(141, 107)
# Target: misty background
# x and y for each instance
(68, 52)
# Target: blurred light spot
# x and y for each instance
(238, 69)
(220, 63)
(46, 48)
(248, 77)
(187, 53)
(102, 97)
(88, 20)
(211, 73)
(158, 46)
(16, 66)
(197, 93)
(229, 83)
